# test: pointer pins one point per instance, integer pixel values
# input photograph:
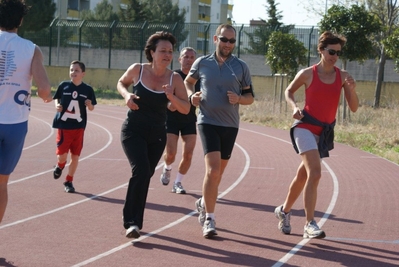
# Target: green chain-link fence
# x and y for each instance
(74, 39)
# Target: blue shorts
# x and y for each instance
(12, 138)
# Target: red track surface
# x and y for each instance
(44, 226)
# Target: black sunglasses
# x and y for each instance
(333, 52)
(225, 40)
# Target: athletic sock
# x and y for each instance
(61, 165)
(168, 167)
(179, 177)
(69, 178)
(210, 215)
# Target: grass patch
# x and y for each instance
(371, 130)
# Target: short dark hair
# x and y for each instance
(153, 40)
(80, 63)
(224, 26)
(12, 13)
(329, 37)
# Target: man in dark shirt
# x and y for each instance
(185, 125)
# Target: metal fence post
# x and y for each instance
(174, 34)
(111, 28)
(80, 39)
(310, 39)
(239, 41)
(142, 41)
(51, 40)
(206, 31)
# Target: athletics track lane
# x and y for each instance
(43, 226)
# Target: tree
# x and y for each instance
(102, 12)
(387, 12)
(167, 17)
(163, 11)
(258, 39)
(391, 45)
(163, 15)
(320, 7)
(96, 31)
(285, 54)
(39, 16)
(137, 11)
(357, 25)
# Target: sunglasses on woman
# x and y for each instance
(332, 52)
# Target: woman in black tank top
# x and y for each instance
(143, 134)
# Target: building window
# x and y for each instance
(73, 4)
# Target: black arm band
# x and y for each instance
(248, 91)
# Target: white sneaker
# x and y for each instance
(284, 220)
(165, 176)
(178, 188)
(133, 232)
(201, 211)
(311, 230)
(209, 230)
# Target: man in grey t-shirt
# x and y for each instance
(225, 84)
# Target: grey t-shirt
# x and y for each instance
(215, 81)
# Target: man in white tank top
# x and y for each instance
(20, 61)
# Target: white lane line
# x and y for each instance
(356, 240)
(270, 136)
(128, 244)
(333, 201)
(279, 263)
(44, 139)
(61, 208)
(67, 206)
(81, 159)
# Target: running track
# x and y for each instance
(44, 226)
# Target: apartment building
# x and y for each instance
(206, 11)
(197, 11)
(210, 13)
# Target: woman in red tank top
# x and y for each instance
(323, 83)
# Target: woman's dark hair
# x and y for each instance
(153, 40)
(11, 13)
(328, 37)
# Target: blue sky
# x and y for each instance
(292, 10)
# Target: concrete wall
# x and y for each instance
(273, 87)
(98, 78)
(265, 86)
(122, 59)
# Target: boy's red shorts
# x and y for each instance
(69, 140)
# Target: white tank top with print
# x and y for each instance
(16, 56)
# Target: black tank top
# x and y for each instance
(176, 116)
(152, 104)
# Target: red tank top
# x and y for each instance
(321, 100)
